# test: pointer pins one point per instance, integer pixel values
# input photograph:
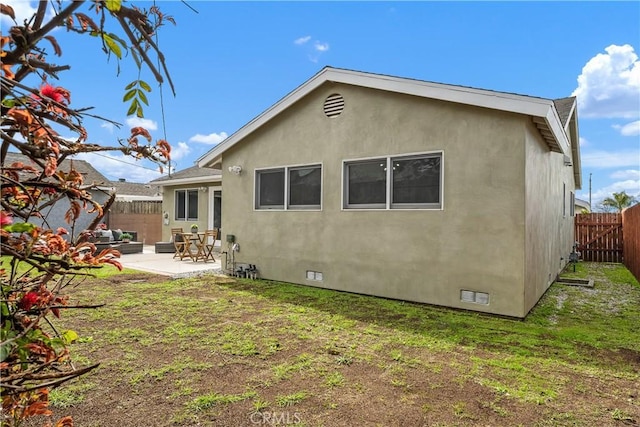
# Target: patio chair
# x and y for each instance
(207, 250)
(178, 242)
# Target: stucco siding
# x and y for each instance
(549, 230)
(475, 242)
(168, 206)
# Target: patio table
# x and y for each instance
(194, 248)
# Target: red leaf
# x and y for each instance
(7, 10)
(65, 422)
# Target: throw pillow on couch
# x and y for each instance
(117, 235)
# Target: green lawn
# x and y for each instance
(221, 351)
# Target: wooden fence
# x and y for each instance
(600, 236)
(144, 207)
(143, 217)
(631, 226)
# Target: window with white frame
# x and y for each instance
(398, 182)
(186, 205)
(299, 186)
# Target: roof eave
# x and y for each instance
(575, 148)
(193, 180)
(213, 158)
(542, 110)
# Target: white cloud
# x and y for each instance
(302, 40)
(321, 47)
(583, 142)
(179, 151)
(610, 159)
(145, 123)
(313, 50)
(116, 166)
(22, 9)
(108, 126)
(609, 85)
(211, 139)
(630, 129)
(626, 174)
(630, 186)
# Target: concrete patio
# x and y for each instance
(165, 264)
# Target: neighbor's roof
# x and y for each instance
(582, 204)
(543, 111)
(88, 172)
(191, 175)
(136, 191)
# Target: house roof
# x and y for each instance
(88, 172)
(582, 204)
(565, 108)
(190, 175)
(544, 112)
(136, 191)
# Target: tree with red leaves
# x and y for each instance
(39, 263)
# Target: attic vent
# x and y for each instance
(333, 105)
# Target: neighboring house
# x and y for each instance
(54, 216)
(582, 206)
(133, 191)
(190, 196)
(404, 189)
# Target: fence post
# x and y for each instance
(631, 227)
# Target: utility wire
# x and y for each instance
(126, 163)
(164, 121)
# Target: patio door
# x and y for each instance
(215, 207)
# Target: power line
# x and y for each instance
(126, 163)
(164, 122)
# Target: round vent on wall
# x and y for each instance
(333, 105)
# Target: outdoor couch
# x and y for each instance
(105, 239)
(123, 248)
(165, 247)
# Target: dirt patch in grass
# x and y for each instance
(213, 351)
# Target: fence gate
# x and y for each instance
(599, 236)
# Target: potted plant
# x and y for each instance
(194, 228)
(126, 237)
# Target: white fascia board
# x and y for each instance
(457, 94)
(194, 180)
(214, 156)
(520, 104)
(131, 198)
(573, 109)
(555, 126)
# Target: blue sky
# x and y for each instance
(232, 60)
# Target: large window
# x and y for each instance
(300, 186)
(186, 205)
(402, 182)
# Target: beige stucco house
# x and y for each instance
(405, 189)
(190, 196)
